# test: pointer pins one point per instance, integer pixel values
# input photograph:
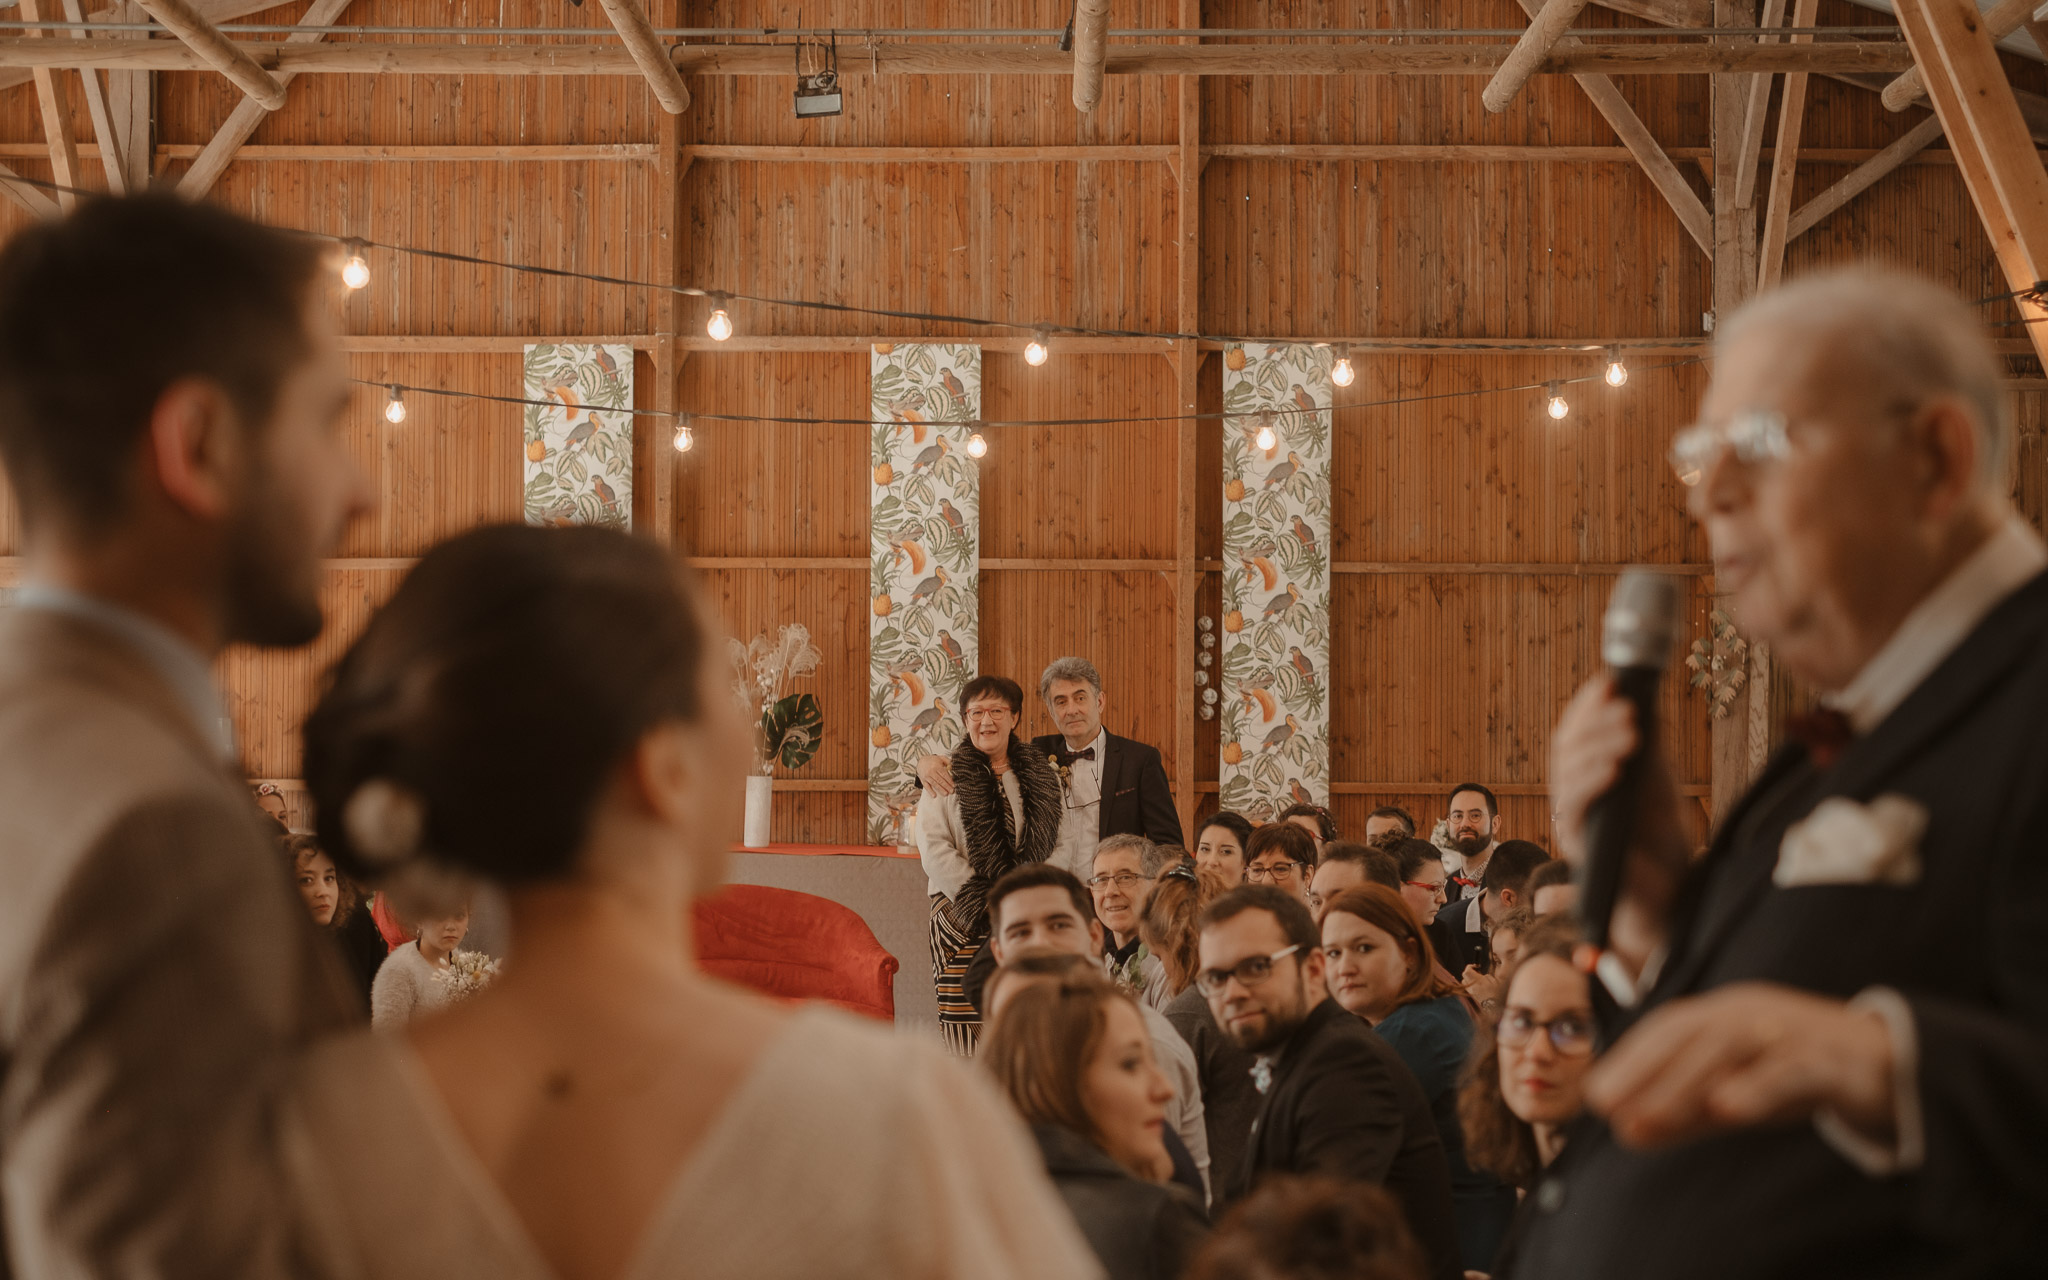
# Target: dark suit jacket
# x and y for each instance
(1140, 1230)
(1344, 1105)
(1971, 745)
(1137, 800)
(1455, 947)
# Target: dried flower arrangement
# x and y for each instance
(468, 972)
(787, 727)
(1719, 662)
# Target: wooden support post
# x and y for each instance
(56, 118)
(648, 54)
(1546, 27)
(213, 161)
(1953, 48)
(1187, 365)
(1753, 116)
(2000, 21)
(1863, 177)
(669, 353)
(1091, 51)
(216, 50)
(1785, 160)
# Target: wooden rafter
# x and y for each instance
(1785, 162)
(1752, 143)
(1863, 177)
(216, 50)
(1958, 61)
(1546, 27)
(56, 118)
(102, 118)
(213, 160)
(1091, 51)
(647, 52)
(2000, 21)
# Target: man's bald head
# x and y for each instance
(1879, 344)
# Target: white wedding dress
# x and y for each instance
(848, 1151)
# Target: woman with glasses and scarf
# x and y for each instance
(1004, 812)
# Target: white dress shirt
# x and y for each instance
(1081, 814)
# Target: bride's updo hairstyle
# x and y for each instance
(477, 720)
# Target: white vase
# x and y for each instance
(760, 805)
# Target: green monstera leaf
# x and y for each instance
(793, 728)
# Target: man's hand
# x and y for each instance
(1596, 733)
(936, 772)
(1748, 1054)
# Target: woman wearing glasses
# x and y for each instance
(1283, 855)
(1523, 1090)
(1378, 964)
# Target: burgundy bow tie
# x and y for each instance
(1085, 753)
(1824, 732)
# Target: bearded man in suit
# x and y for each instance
(171, 395)
(1838, 1063)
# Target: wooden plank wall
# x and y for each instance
(1479, 536)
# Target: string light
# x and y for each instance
(719, 326)
(394, 408)
(1341, 372)
(1557, 408)
(1036, 350)
(355, 269)
(684, 436)
(1617, 372)
(1266, 438)
(976, 446)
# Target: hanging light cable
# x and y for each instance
(1341, 372)
(719, 326)
(394, 408)
(355, 267)
(1556, 406)
(1617, 372)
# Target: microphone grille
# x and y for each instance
(1641, 621)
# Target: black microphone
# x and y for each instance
(1635, 642)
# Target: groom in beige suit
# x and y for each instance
(170, 403)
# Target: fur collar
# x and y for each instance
(994, 846)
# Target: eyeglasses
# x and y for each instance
(1250, 971)
(1754, 437)
(1571, 1034)
(1277, 872)
(1435, 890)
(1121, 879)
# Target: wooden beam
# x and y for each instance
(1187, 366)
(1753, 117)
(26, 195)
(216, 50)
(102, 117)
(2000, 21)
(227, 141)
(1091, 51)
(648, 54)
(1959, 62)
(668, 357)
(1546, 27)
(56, 113)
(1785, 163)
(1863, 177)
(1480, 58)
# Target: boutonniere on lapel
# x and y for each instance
(1064, 768)
(1843, 842)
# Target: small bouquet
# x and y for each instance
(787, 728)
(468, 972)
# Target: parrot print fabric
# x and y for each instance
(579, 458)
(924, 561)
(1276, 578)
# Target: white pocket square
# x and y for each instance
(1842, 842)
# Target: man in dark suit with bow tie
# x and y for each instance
(1837, 1064)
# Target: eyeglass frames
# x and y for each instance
(1250, 971)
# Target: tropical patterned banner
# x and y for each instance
(1276, 578)
(924, 566)
(579, 461)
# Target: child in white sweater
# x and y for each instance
(409, 982)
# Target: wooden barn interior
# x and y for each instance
(1303, 171)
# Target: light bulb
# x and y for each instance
(1265, 439)
(394, 409)
(1341, 372)
(1617, 372)
(976, 446)
(1557, 408)
(684, 436)
(1035, 350)
(355, 271)
(719, 326)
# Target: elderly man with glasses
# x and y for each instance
(1125, 869)
(1836, 1042)
(1338, 1101)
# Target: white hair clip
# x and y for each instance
(384, 821)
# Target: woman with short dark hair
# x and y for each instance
(1004, 811)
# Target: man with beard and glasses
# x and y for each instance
(1338, 1101)
(171, 398)
(1472, 826)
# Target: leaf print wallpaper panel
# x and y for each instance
(579, 459)
(924, 555)
(1276, 578)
